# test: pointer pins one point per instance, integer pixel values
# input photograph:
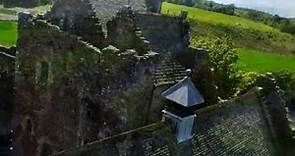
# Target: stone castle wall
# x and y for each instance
(146, 141)
(70, 92)
(7, 65)
(80, 21)
(276, 114)
(7, 59)
(54, 75)
(74, 86)
(174, 39)
(7, 105)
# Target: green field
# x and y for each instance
(214, 18)
(262, 62)
(244, 32)
(8, 33)
(273, 50)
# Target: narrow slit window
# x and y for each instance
(42, 72)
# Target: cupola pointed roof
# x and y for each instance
(184, 93)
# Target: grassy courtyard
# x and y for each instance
(8, 33)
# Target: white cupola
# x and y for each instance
(184, 98)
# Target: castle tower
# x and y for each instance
(154, 6)
(184, 98)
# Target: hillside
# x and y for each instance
(244, 32)
(261, 62)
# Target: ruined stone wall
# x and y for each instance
(121, 29)
(7, 93)
(123, 32)
(7, 59)
(56, 82)
(166, 34)
(203, 76)
(127, 86)
(78, 17)
(150, 140)
(274, 102)
(8, 50)
(154, 6)
(7, 65)
(70, 93)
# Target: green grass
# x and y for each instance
(244, 32)
(262, 62)
(273, 49)
(8, 33)
(214, 18)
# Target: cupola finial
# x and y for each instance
(188, 72)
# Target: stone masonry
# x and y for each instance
(232, 128)
(88, 81)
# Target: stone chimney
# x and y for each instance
(153, 6)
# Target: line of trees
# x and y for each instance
(24, 3)
(282, 23)
(208, 5)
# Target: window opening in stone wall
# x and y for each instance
(42, 72)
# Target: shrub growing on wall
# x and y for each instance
(223, 57)
(286, 81)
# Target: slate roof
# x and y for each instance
(169, 71)
(226, 129)
(184, 93)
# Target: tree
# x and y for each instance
(288, 28)
(285, 80)
(222, 58)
